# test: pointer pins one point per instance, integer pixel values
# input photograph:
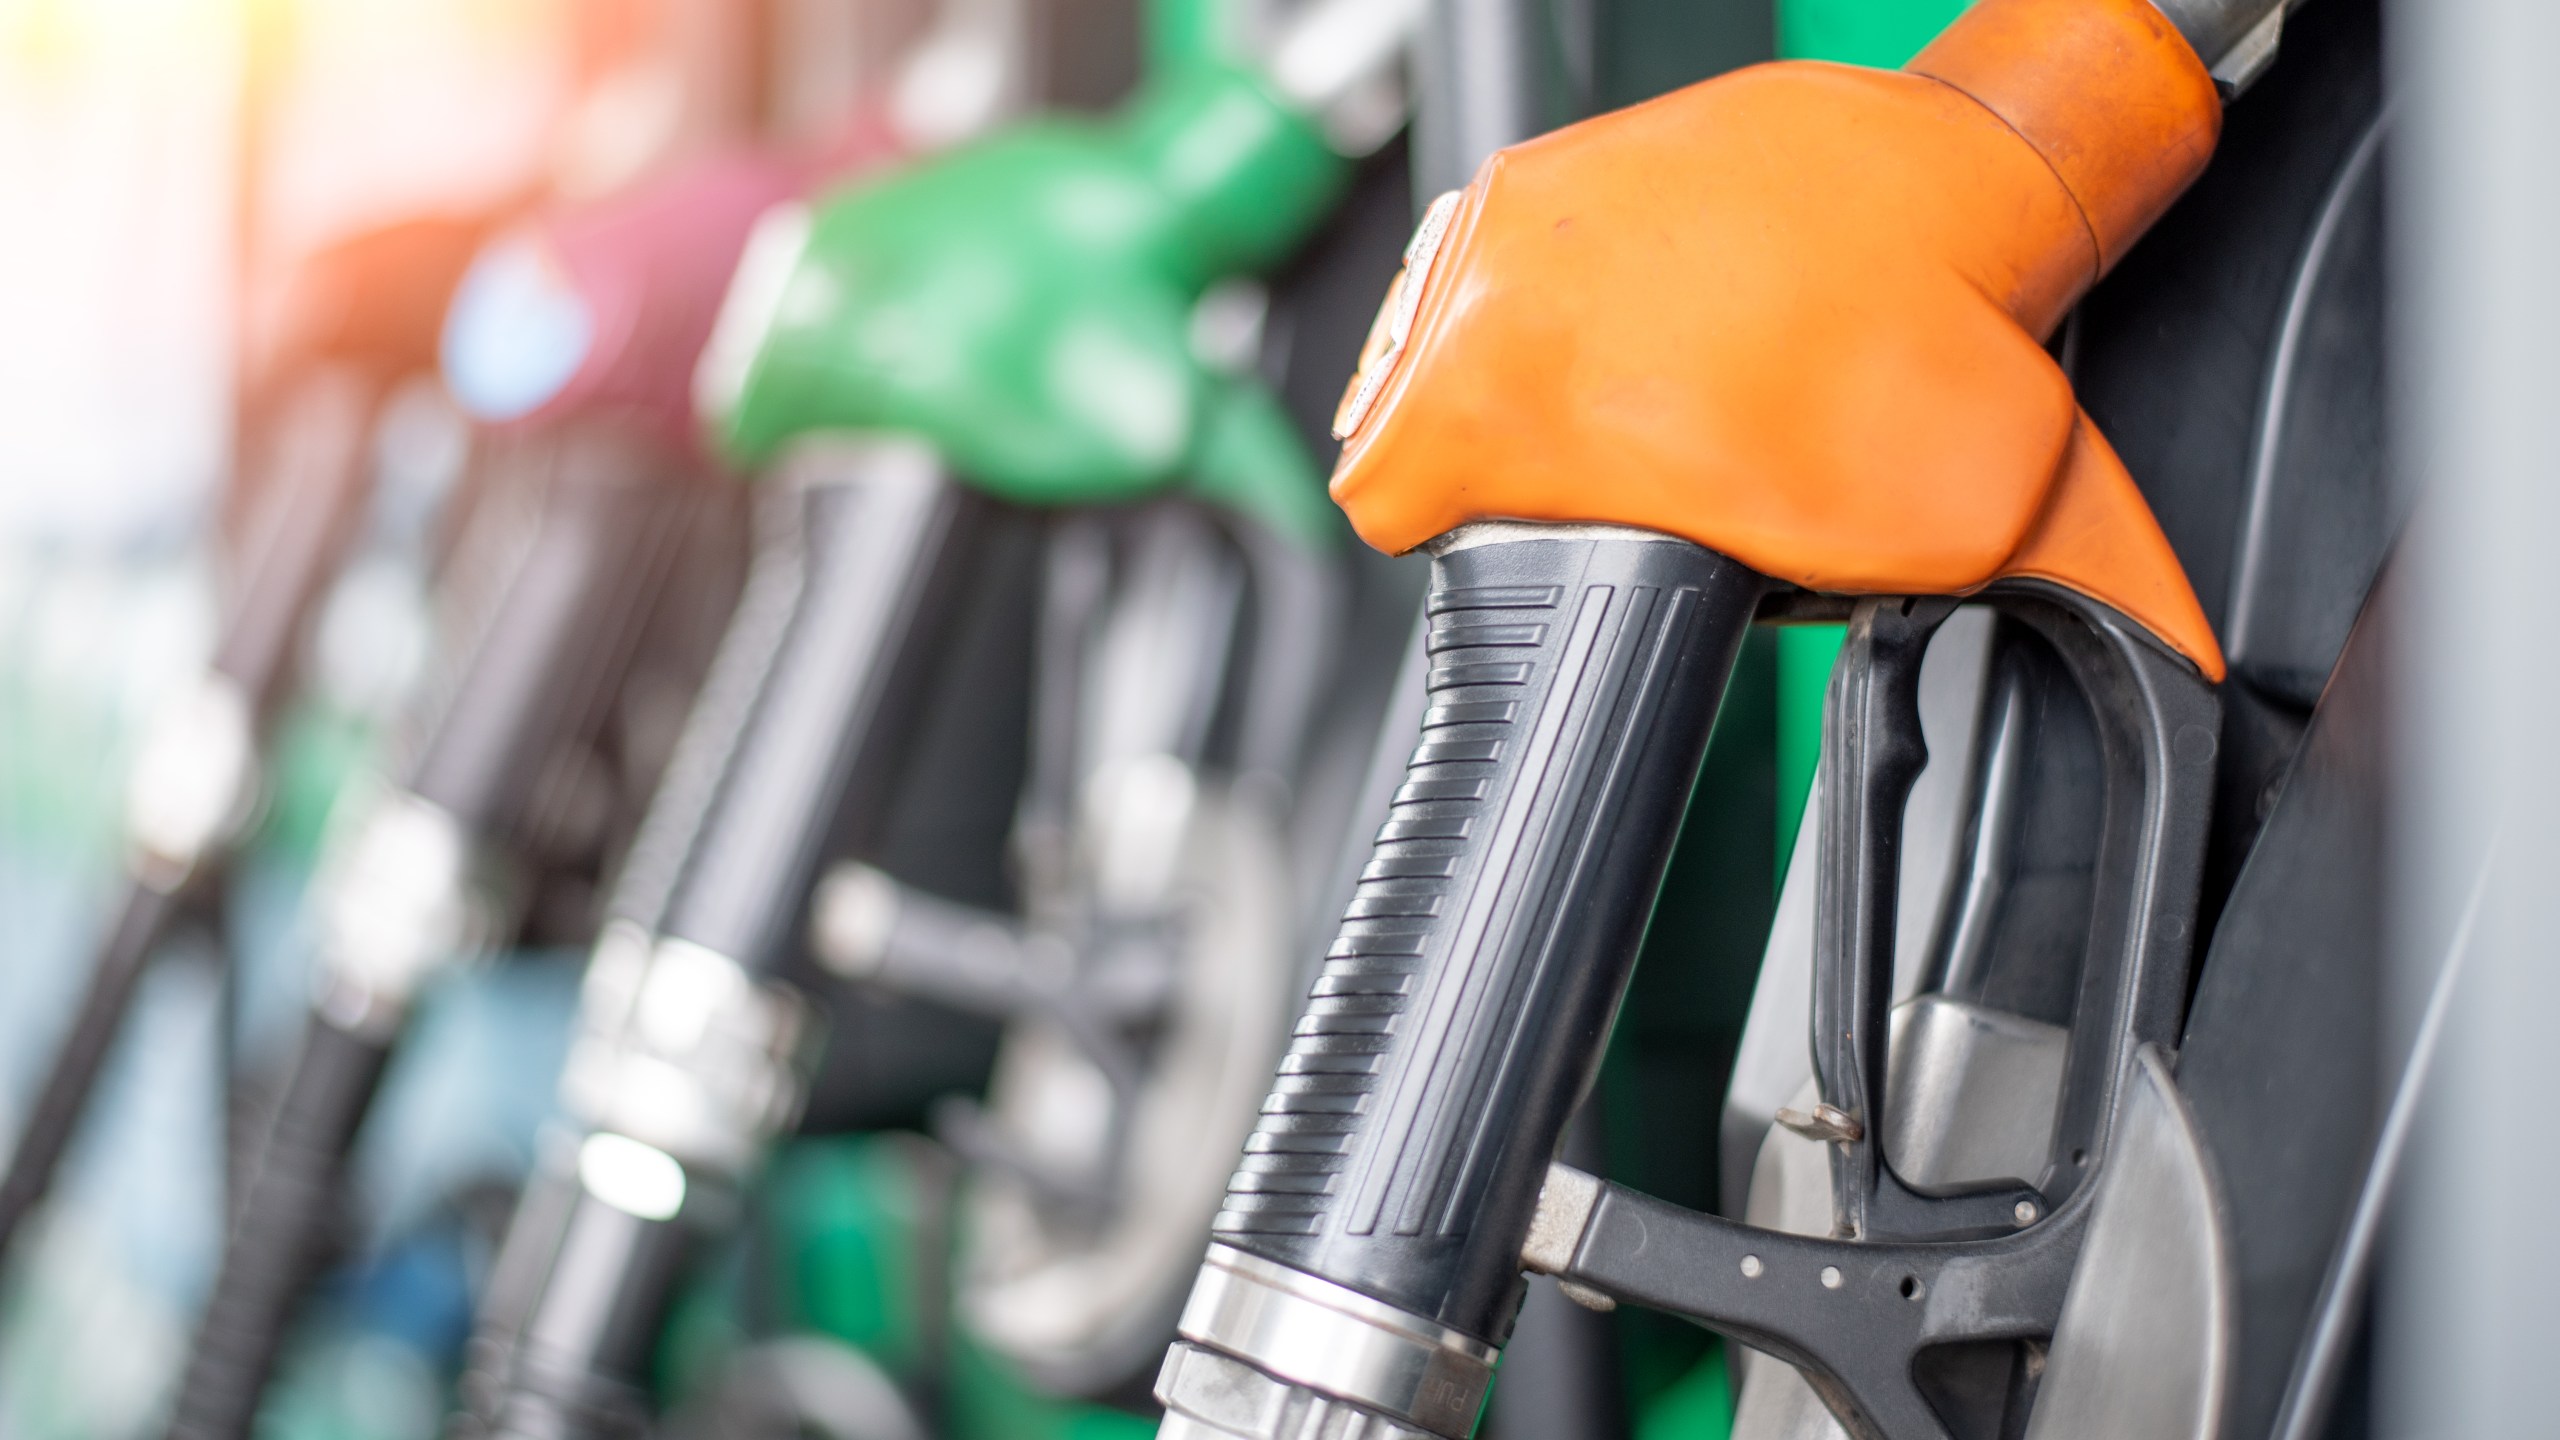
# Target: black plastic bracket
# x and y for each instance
(1851, 1315)
(1909, 1270)
(2158, 724)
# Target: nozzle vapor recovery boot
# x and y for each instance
(1843, 393)
(353, 329)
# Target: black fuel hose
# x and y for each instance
(64, 1098)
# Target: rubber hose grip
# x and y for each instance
(276, 1242)
(1461, 1012)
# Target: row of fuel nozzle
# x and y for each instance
(807, 446)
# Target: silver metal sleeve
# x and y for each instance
(1307, 1339)
(680, 1048)
(1209, 1396)
(195, 780)
(397, 902)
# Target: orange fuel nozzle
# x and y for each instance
(1796, 315)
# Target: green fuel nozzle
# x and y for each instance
(1025, 304)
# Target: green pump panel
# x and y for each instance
(1861, 32)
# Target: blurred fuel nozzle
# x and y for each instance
(356, 320)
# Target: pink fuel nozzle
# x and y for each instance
(606, 306)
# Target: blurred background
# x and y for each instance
(170, 165)
(204, 198)
(171, 169)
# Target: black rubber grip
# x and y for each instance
(870, 559)
(286, 1211)
(572, 1318)
(73, 1075)
(1461, 1012)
